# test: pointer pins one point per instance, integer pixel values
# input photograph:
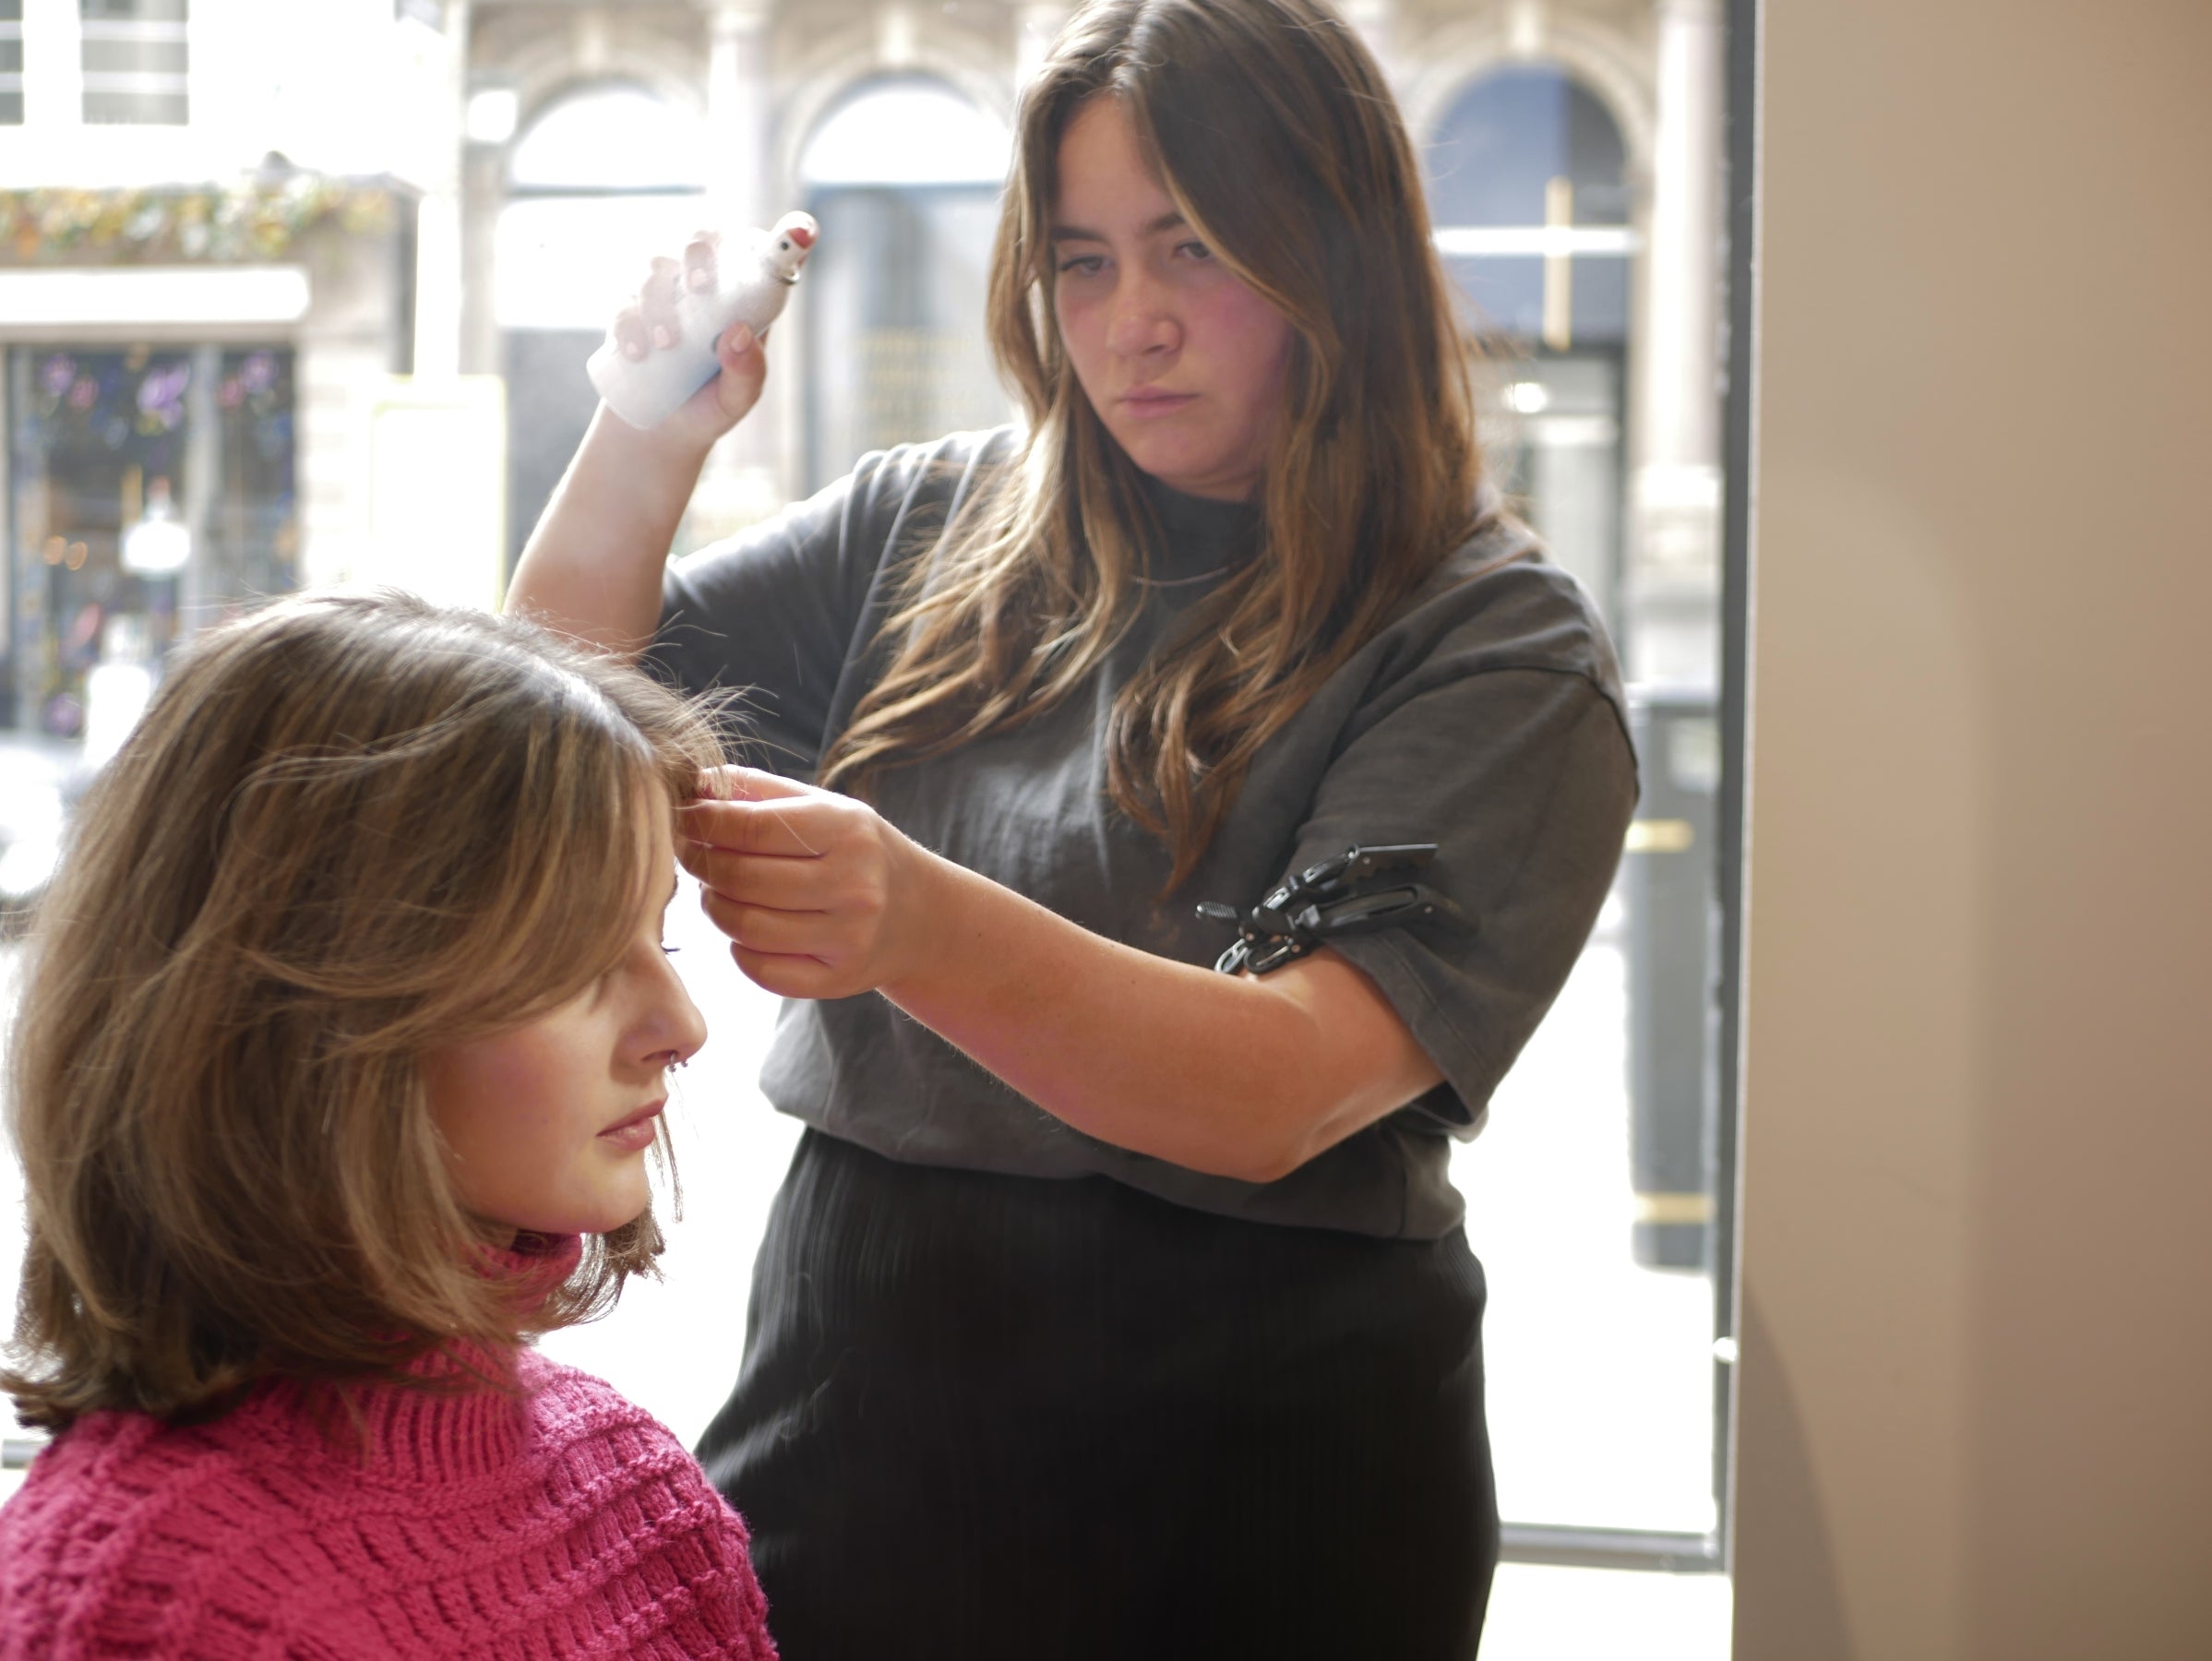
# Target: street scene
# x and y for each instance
(286, 306)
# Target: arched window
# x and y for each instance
(903, 174)
(600, 175)
(1527, 190)
(1527, 186)
(602, 179)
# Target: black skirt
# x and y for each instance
(985, 1416)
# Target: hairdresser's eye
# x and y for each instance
(1084, 265)
(1194, 250)
(667, 951)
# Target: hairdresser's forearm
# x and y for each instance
(1240, 1077)
(592, 567)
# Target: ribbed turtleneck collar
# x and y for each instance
(467, 1416)
(1202, 536)
(536, 1264)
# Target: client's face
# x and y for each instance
(546, 1125)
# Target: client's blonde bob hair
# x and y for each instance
(349, 829)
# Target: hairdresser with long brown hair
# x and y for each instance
(1115, 1306)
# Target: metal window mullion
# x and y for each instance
(1739, 485)
(1655, 1550)
(156, 83)
(104, 29)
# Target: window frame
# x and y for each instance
(1682, 1552)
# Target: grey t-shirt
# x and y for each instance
(1486, 717)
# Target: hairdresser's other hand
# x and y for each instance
(820, 896)
(649, 324)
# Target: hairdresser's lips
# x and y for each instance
(1147, 403)
(634, 1134)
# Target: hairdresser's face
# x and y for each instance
(1184, 363)
(546, 1125)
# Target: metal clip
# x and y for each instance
(1362, 890)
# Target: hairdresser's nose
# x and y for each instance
(1142, 323)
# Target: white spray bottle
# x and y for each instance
(752, 281)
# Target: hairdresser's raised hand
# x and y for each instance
(820, 896)
(649, 324)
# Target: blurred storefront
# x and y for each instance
(161, 345)
(210, 257)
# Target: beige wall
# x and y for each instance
(1977, 1381)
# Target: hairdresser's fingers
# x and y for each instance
(782, 933)
(656, 303)
(729, 783)
(700, 260)
(789, 976)
(795, 934)
(744, 366)
(747, 828)
(786, 830)
(817, 907)
(818, 885)
(727, 397)
(627, 332)
(815, 824)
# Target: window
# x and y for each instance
(105, 443)
(1527, 190)
(600, 180)
(903, 177)
(11, 63)
(134, 58)
(1591, 1194)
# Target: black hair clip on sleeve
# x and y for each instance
(1362, 890)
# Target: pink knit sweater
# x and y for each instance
(561, 1522)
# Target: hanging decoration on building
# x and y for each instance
(253, 220)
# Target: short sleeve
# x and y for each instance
(783, 619)
(1526, 781)
(769, 618)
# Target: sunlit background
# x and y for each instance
(299, 291)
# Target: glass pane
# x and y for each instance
(98, 439)
(1510, 133)
(134, 11)
(894, 321)
(165, 58)
(252, 540)
(102, 450)
(135, 56)
(1589, 1193)
(903, 177)
(151, 109)
(609, 137)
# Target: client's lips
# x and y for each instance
(636, 1132)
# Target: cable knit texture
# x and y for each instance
(556, 1519)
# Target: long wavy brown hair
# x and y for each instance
(1272, 129)
(350, 830)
